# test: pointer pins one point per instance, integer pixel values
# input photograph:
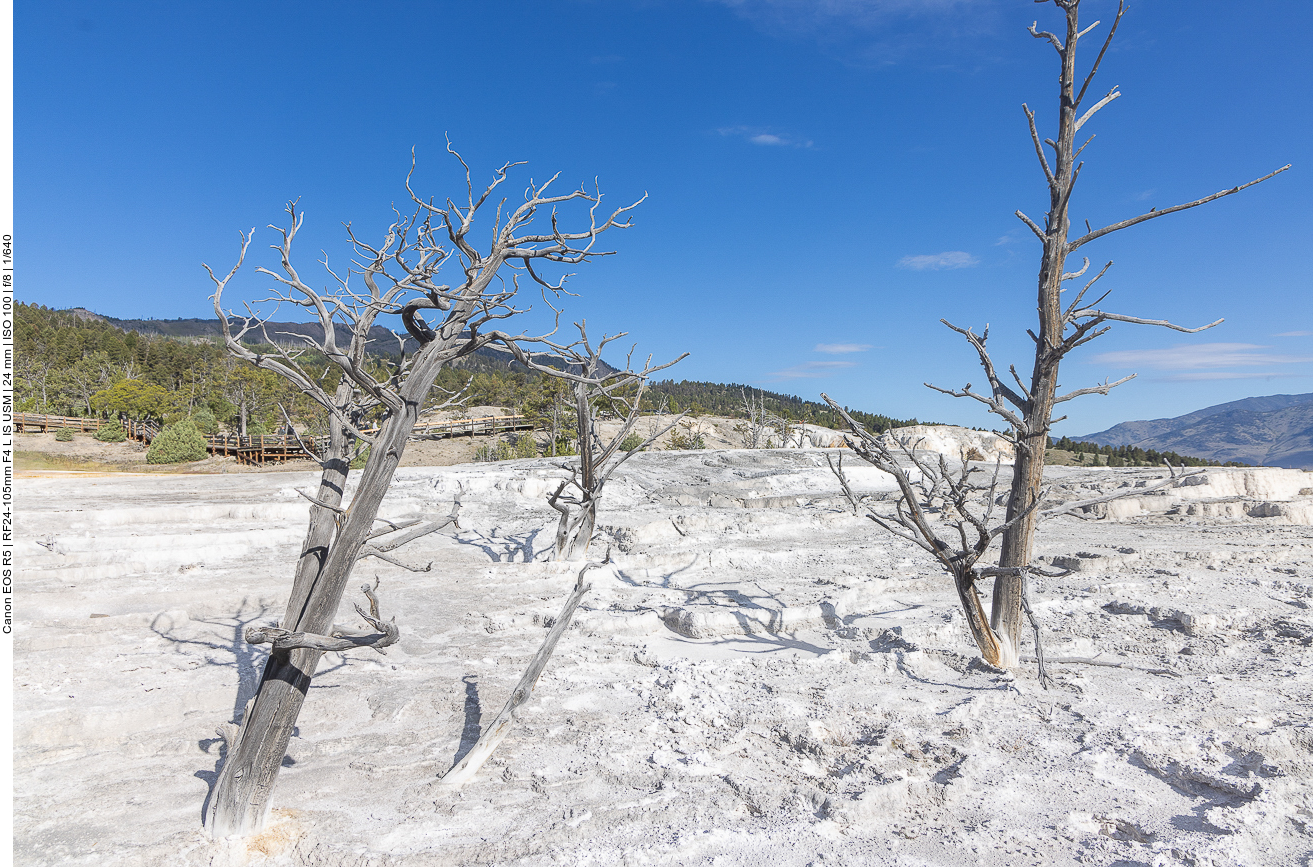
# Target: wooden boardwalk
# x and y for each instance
(269, 448)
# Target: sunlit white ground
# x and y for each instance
(758, 677)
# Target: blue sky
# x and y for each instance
(825, 180)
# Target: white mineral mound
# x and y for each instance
(954, 442)
(808, 436)
(756, 677)
(1257, 492)
(1265, 483)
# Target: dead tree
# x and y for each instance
(1028, 407)
(755, 434)
(934, 496)
(765, 429)
(593, 388)
(400, 278)
(947, 512)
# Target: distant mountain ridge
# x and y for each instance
(383, 341)
(386, 340)
(1271, 431)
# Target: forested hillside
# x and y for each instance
(72, 362)
(714, 398)
(1130, 456)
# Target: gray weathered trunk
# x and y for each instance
(242, 793)
(1028, 472)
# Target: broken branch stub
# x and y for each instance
(497, 730)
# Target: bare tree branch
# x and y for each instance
(497, 730)
(1099, 233)
(1121, 10)
(1039, 151)
(1044, 34)
(1136, 320)
(283, 639)
(1039, 233)
(1096, 389)
(321, 503)
(1112, 94)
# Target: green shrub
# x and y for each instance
(132, 396)
(687, 436)
(111, 433)
(64, 435)
(205, 421)
(360, 460)
(177, 444)
(631, 442)
(525, 447)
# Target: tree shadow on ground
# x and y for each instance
(248, 661)
(469, 735)
(502, 549)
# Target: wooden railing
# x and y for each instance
(26, 422)
(261, 449)
(485, 426)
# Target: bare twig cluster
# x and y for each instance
(946, 510)
(595, 388)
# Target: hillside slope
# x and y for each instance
(1275, 430)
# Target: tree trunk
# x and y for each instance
(1028, 469)
(574, 531)
(555, 425)
(245, 784)
(986, 639)
(242, 793)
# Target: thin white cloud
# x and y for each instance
(841, 348)
(761, 136)
(812, 369)
(1144, 196)
(862, 13)
(1210, 375)
(1294, 334)
(1199, 356)
(945, 261)
(877, 32)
